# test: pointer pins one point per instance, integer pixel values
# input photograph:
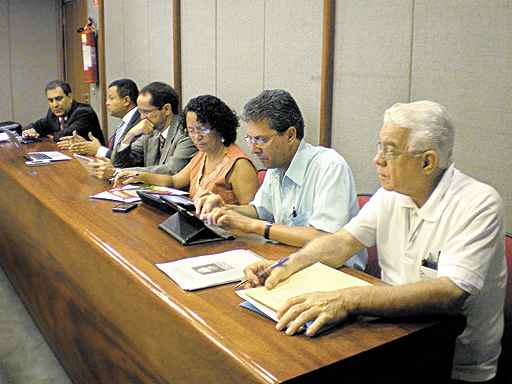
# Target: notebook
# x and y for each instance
(34, 158)
(315, 278)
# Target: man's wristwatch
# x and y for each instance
(266, 232)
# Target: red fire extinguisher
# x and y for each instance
(89, 58)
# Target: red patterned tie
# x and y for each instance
(61, 123)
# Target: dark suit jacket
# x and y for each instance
(144, 152)
(114, 147)
(80, 118)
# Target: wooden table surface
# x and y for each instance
(88, 278)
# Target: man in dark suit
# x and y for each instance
(122, 104)
(64, 116)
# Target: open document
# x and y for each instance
(128, 193)
(209, 270)
(315, 278)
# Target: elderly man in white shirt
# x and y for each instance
(439, 235)
(308, 190)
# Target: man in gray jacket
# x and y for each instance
(157, 143)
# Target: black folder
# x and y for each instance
(183, 224)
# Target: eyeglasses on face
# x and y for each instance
(198, 130)
(258, 140)
(149, 111)
(388, 152)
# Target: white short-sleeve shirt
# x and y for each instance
(461, 227)
(317, 190)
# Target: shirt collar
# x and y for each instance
(128, 116)
(170, 131)
(297, 169)
(433, 207)
(165, 132)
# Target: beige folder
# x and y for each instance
(315, 278)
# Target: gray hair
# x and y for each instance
(278, 108)
(430, 127)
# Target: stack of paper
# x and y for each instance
(315, 278)
(209, 270)
(126, 194)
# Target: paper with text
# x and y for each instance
(209, 270)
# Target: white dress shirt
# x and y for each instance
(102, 151)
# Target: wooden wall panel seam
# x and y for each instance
(102, 69)
(327, 75)
(11, 83)
(411, 50)
(176, 55)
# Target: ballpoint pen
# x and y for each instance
(278, 263)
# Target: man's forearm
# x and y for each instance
(333, 249)
(246, 210)
(437, 296)
(295, 236)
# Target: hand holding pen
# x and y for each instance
(260, 270)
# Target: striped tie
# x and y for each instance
(117, 135)
(162, 142)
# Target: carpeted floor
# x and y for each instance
(25, 358)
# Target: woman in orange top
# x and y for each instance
(220, 167)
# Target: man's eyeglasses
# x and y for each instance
(147, 112)
(199, 129)
(258, 140)
(388, 152)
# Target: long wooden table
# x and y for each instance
(87, 277)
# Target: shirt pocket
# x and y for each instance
(299, 219)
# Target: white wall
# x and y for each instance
(371, 72)
(236, 48)
(138, 42)
(29, 40)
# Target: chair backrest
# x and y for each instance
(508, 300)
(362, 199)
(505, 361)
(372, 267)
(261, 175)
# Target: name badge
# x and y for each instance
(428, 267)
(427, 273)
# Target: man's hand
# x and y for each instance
(322, 307)
(258, 273)
(206, 203)
(101, 168)
(86, 147)
(127, 177)
(65, 142)
(142, 127)
(229, 219)
(30, 133)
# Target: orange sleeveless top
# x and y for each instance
(215, 181)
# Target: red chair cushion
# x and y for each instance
(508, 300)
(261, 175)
